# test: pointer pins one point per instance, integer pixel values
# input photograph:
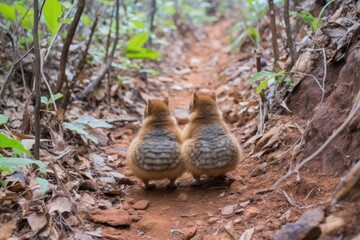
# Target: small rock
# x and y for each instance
(307, 227)
(189, 232)
(240, 210)
(228, 211)
(182, 197)
(236, 187)
(141, 205)
(259, 169)
(244, 204)
(251, 212)
(88, 185)
(237, 220)
(113, 217)
(126, 205)
(212, 220)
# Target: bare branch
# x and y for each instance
(37, 80)
(65, 50)
(80, 67)
(290, 42)
(273, 30)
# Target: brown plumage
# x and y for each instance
(208, 146)
(155, 152)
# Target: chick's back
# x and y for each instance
(158, 150)
(211, 147)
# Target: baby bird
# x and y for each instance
(208, 146)
(155, 152)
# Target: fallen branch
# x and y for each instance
(352, 113)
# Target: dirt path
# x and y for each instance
(217, 212)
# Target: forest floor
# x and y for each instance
(219, 211)
(93, 193)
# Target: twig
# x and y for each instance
(37, 80)
(109, 34)
(289, 37)
(352, 113)
(106, 68)
(68, 92)
(65, 50)
(42, 53)
(273, 31)
(290, 201)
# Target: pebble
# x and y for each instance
(212, 220)
(259, 169)
(141, 205)
(189, 232)
(228, 211)
(250, 212)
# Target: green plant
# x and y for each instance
(252, 11)
(21, 10)
(80, 124)
(3, 119)
(267, 79)
(135, 50)
(308, 18)
(47, 102)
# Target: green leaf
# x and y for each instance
(27, 16)
(55, 97)
(92, 122)
(143, 53)
(261, 75)
(262, 86)
(44, 185)
(15, 145)
(79, 129)
(254, 35)
(3, 119)
(44, 100)
(138, 24)
(238, 40)
(86, 20)
(52, 12)
(137, 42)
(8, 11)
(12, 164)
